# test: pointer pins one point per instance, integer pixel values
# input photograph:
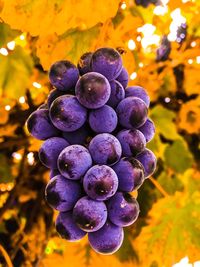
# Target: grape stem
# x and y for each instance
(6, 256)
(159, 187)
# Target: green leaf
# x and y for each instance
(157, 146)
(7, 34)
(164, 122)
(15, 72)
(178, 157)
(171, 184)
(5, 170)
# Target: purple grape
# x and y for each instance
(181, 33)
(43, 106)
(145, 3)
(105, 149)
(74, 161)
(67, 228)
(50, 151)
(55, 93)
(163, 51)
(148, 160)
(130, 173)
(63, 75)
(132, 142)
(54, 172)
(139, 92)
(84, 63)
(132, 112)
(117, 94)
(62, 194)
(108, 239)
(123, 209)
(89, 215)
(107, 61)
(148, 130)
(92, 90)
(123, 77)
(40, 126)
(100, 182)
(79, 136)
(103, 120)
(67, 114)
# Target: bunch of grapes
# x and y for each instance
(95, 130)
(163, 51)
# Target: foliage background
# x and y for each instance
(45, 31)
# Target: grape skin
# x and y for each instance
(139, 92)
(117, 94)
(123, 77)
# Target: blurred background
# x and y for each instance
(160, 45)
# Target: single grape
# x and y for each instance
(53, 172)
(107, 61)
(148, 130)
(123, 77)
(123, 209)
(79, 136)
(163, 51)
(139, 92)
(92, 90)
(132, 142)
(63, 75)
(89, 215)
(67, 228)
(108, 239)
(74, 161)
(132, 112)
(130, 173)
(43, 106)
(148, 160)
(103, 120)
(117, 94)
(50, 150)
(84, 63)
(40, 126)
(100, 182)
(105, 149)
(59, 194)
(67, 114)
(55, 93)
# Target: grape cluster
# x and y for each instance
(95, 130)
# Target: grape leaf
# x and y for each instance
(5, 170)
(7, 34)
(171, 183)
(15, 73)
(174, 228)
(178, 157)
(164, 122)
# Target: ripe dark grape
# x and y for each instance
(84, 63)
(123, 209)
(148, 160)
(100, 182)
(108, 62)
(117, 94)
(59, 199)
(105, 149)
(74, 161)
(90, 215)
(130, 173)
(67, 228)
(148, 130)
(79, 136)
(92, 90)
(132, 112)
(40, 126)
(67, 114)
(103, 120)
(53, 172)
(55, 93)
(123, 77)
(132, 142)
(108, 239)
(139, 92)
(43, 106)
(63, 75)
(50, 151)
(163, 51)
